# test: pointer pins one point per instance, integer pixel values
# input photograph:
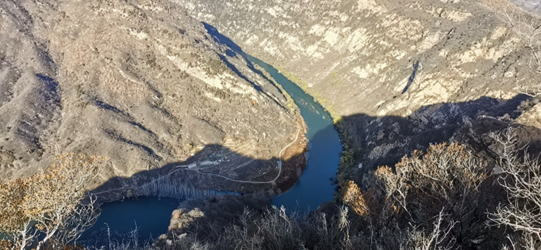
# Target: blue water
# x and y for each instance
(314, 186)
(151, 215)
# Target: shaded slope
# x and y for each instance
(139, 82)
(378, 141)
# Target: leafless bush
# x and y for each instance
(521, 178)
(49, 204)
(445, 176)
(425, 195)
(275, 229)
(439, 238)
(131, 241)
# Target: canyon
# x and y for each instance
(139, 82)
(178, 96)
(396, 75)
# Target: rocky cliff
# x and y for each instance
(401, 74)
(380, 57)
(137, 81)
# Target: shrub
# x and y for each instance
(275, 229)
(447, 175)
(521, 178)
(426, 195)
(49, 204)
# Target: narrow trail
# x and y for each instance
(184, 167)
(259, 182)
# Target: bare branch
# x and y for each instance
(49, 204)
(521, 179)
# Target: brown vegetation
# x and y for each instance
(49, 204)
(434, 196)
(450, 197)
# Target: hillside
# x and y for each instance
(437, 104)
(400, 75)
(365, 52)
(139, 82)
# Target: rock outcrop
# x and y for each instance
(379, 57)
(401, 75)
(140, 82)
(531, 6)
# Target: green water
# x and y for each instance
(314, 186)
(151, 215)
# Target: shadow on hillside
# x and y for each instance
(234, 51)
(379, 141)
(382, 141)
(412, 77)
(196, 177)
(179, 180)
(376, 141)
(221, 39)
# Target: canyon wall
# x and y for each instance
(399, 74)
(140, 82)
(379, 57)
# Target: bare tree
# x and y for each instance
(521, 178)
(439, 238)
(51, 204)
(426, 195)
(446, 176)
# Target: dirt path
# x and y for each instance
(257, 182)
(184, 167)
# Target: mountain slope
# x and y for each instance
(380, 57)
(138, 81)
(402, 74)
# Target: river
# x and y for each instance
(151, 215)
(324, 148)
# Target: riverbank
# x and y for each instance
(275, 181)
(184, 180)
(299, 183)
(293, 161)
(324, 148)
